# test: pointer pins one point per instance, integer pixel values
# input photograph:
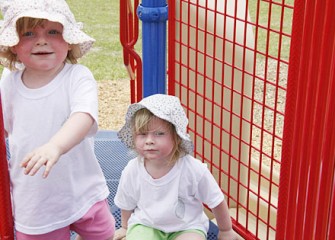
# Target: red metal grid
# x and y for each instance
(236, 113)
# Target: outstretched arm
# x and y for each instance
(221, 213)
(72, 132)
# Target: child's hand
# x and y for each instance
(228, 235)
(47, 155)
(120, 234)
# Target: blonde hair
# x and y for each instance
(140, 122)
(24, 23)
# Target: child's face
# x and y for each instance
(43, 47)
(157, 143)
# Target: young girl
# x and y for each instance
(162, 191)
(50, 111)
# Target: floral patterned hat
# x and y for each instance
(165, 107)
(52, 10)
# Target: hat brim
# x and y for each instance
(126, 135)
(72, 33)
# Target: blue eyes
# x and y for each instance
(54, 32)
(154, 133)
(32, 33)
(28, 34)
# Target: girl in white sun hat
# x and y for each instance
(50, 109)
(162, 191)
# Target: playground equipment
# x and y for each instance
(265, 213)
(6, 220)
(215, 42)
(297, 200)
(153, 14)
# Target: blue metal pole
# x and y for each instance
(153, 14)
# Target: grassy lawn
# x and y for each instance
(101, 21)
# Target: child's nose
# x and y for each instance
(149, 139)
(41, 40)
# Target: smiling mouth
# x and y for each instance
(42, 53)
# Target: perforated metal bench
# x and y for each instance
(113, 156)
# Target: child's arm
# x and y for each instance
(121, 232)
(72, 132)
(221, 213)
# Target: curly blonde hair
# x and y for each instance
(24, 23)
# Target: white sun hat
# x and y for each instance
(52, 10)
(165, 107)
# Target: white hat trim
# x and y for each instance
(54, 10)
(165, 107)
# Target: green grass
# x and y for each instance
(270, 22)
(101, 21)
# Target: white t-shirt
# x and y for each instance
(4, 74)
(171, 203)
(31, 117)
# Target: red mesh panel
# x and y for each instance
(6, 219)
(228, 63)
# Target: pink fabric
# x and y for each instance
(98, 223)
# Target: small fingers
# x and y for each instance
(48, 166)
(26, 159)
(34, 164)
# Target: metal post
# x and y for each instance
(6, 219)
(306, 204)
(153, 14)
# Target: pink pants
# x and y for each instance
(97, 224)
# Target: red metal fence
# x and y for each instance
(6, 220)
(228, 63)
(307, 184)
(242, 68)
